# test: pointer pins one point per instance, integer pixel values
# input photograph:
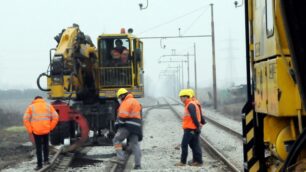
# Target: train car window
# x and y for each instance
(269, 18)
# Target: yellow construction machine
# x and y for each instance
(274, 118)
(83, 81)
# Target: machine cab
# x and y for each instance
(120, 62)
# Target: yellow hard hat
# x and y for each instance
(185, 92)
(191, 92)
(121, 91)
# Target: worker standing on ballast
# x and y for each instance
(192, 130)
(129, 126)
(40, 118)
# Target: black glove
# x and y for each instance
(203, 121)
(198, 130)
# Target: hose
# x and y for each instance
(296, 150)
(38, 82)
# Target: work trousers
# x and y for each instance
(192, 139)
(123, 133)
(42, 145)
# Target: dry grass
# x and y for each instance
(234, 110)
(15, 129)
(11, 118)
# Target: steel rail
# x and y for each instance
(60, 161)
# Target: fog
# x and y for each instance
(28, 28)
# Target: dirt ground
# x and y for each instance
(12, 148)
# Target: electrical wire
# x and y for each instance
(172, 20)
(194, 21)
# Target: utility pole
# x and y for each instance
(183, 74)
(213, 56)
(173, 78)
(182, 61)
(195, 70)
(178, 75)
(188, 82)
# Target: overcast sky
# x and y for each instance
(28, 27)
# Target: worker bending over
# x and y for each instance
(129, 124)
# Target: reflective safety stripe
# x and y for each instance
(129, 114)
(124, 112)
(38, 115)
(135, 113)
(133, 123)
(32, 106)
(48, 114)
(27, 117)
(48, 107)
(129, 108)
(127, 122)
(40, 119)
(186, 114)
(121, 122)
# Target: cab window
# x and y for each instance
(269, 18)
(114, 52)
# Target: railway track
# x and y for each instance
(123, 167)
(62, 159)
(214, 151)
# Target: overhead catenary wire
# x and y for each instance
(195, 20)
(173, 20)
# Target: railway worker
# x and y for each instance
(120, 53)
(192, 130)
(203, 121)
(40, 118)
(129, 126)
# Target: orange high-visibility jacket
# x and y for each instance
(129, 116)
(40, 117)
(129, 108)
(187, 120)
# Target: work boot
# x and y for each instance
(117, 160)
(190, 162)
(137, 167)
(37, 168)
(179, 164)
(46, 163)
(120, 154)
(195, 164)
(126, 148)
